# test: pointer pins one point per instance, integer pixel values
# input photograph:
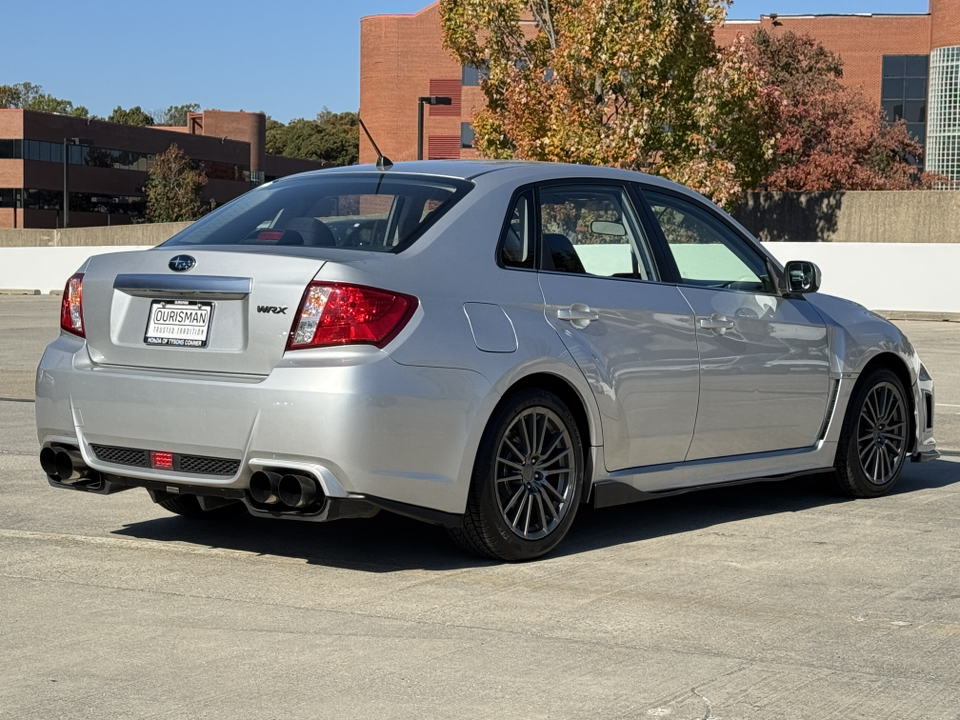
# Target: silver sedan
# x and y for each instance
(480, 345)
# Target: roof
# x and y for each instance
(520, 171)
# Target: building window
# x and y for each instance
(11, 149)
(904, 91)
(943, 131)
(42, 199)
(10, 197)
(471, 75)
(466, 135)
(45, 151)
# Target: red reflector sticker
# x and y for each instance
(162, 460)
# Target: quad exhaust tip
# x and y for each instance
(289, 491)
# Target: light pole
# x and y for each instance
(66, 193)
(427, 100)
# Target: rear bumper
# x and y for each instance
(359, 422)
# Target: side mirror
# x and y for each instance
(800, 277)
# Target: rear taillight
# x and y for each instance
(71, 307)
(338, 314)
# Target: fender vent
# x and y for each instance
(831, 406)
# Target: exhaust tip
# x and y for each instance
(69, 466)
(263, 487)
(48, 461)
(297, 491)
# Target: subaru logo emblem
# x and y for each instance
(182, 263)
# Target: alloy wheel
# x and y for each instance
(882, 433)
(535, 473)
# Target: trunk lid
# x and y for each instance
(138, 312)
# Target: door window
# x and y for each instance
(592, 229)
(706, 251)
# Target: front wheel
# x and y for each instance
(527, 480)
(875, 438)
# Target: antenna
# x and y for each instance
(383, 162)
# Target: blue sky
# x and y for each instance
(289, 58)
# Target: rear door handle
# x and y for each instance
(719, 322)
(578, 315)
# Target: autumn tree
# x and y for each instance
(174, 188)
(331, 137)
(832, 137)
(638, 84)
(31, 97)
(133, 116)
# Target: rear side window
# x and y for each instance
(375, 213)
(591, 229)
(516, 246)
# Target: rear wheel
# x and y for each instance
(875, 437)
(189, 506)
(527, 480)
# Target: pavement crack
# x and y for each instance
(17, 400)
(708, 710)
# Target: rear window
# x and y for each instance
(377, 213)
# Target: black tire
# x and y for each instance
(875, 437)
(189, 506)
(527, 480)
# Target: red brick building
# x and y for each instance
(106, 164)
(909, 63)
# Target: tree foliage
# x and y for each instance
(174, 188)
(174, 115)
(31, 97)
(133, 116)
(832, 137)
(638, 84)
(331, 137)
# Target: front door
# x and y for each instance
(764, 359)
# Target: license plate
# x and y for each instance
(179, 323)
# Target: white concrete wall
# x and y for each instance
(906, 277)
(47, 268)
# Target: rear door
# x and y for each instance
(764, 359)
(631, 335)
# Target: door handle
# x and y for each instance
(578, 315)
(719, 322)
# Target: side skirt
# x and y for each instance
(641, 483)
(608, 493)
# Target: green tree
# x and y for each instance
(831, 136)
(331, 137)
(638, 84)
(174, 188)
(31, 97)
(133, 116)
(175, 115)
